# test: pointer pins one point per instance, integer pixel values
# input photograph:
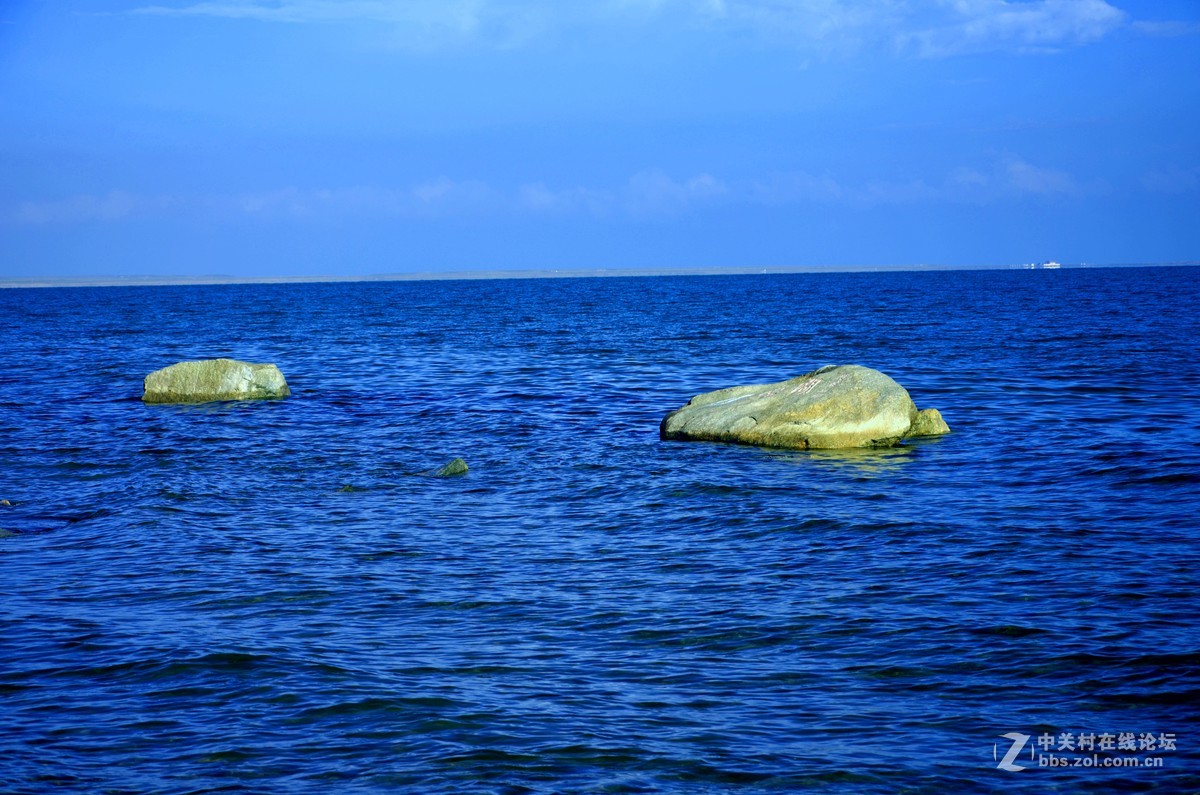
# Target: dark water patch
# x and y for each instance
(1009, 631)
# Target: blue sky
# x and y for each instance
(353, 137)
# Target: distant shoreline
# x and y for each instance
(582, 273)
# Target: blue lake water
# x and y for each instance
(194, 601)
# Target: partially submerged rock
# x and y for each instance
(454, 467)
(214, 379)
(834, 407)
(929, 422)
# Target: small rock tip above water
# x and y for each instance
(840, 406)
(207, 380)
(455, 466)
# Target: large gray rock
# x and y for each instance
(214, 379)
(834, 407)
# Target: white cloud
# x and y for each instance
(805, 188)
(796, 186)
(447, 194)
(655, 193)
(973, 26)
(1009, 176)
(927, 28)
(539, 198)
(1004, 178)
(648, 193)
(1024, 177)
(441, 196)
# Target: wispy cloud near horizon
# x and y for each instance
(645, 196)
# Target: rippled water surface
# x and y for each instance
(276, 597)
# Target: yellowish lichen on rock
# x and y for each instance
(842, 406)
(929, 422)
(214, 379)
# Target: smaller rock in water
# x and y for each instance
(455, 467)
(6, 503)
(7, 533)
(214, 379)
(929, 422)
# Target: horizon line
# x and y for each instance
(544, 273)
